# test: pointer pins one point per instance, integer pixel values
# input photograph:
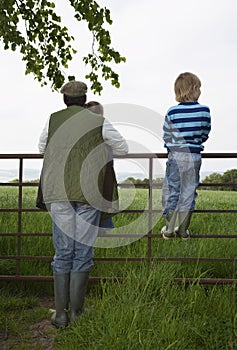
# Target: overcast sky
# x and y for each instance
(160, 39)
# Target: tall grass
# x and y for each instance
(201, 224)
(146, 310)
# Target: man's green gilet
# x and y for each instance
(75, 159)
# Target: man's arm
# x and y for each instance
(114, 139)
(43, 138)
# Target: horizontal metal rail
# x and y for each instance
(119, 235)
(204, 281)
(126, 259)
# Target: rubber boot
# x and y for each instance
(184, 221)
(168, 230)
(78, 284)
(61, 296)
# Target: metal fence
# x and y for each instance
(150, 236)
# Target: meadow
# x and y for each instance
(146, 309)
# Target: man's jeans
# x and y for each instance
(181, 182)
(75, 228)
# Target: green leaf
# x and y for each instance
(71, 78)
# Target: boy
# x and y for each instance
(186, 127)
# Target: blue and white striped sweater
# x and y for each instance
(186, 127)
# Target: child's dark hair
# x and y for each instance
(95, 107)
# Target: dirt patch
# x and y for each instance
(39, 335)
(47, 302)
(43, 332)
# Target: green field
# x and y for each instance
(202, 223)
(147, 310)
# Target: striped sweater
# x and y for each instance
(186, 127)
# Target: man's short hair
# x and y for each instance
(78, 101)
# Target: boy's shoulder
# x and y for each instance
(174, 109)
(187, 107)
(205, 107)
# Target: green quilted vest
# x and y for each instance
(75, 159)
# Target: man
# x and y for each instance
(75, 155)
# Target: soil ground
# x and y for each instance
(40, 335)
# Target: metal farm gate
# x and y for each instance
(150, 157)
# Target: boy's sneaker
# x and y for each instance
(167, 235)
(184, 236)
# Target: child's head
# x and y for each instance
(95, 107)
(187, 87)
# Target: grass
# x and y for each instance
(145, 311)
(148, 311)
(20, 317)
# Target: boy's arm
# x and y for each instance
(167, 137)
(206, 128)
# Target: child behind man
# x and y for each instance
(105, 223)
(186, 128)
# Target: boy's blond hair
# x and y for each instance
(187, 87)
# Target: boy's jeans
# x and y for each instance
(181, 182)
(75, 228)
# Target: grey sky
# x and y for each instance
(160, 39)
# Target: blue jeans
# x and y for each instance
(181, 182)
(75, 228)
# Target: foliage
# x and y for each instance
(213, 178)
(229, 177)
(26, 181)
(14, 181)
(144, 181)
(135, 181)
(36, 30)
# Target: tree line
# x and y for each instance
(229, 178)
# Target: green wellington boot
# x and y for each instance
(184, 222)
(168, 230)
(61, 296)
(78, 284)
